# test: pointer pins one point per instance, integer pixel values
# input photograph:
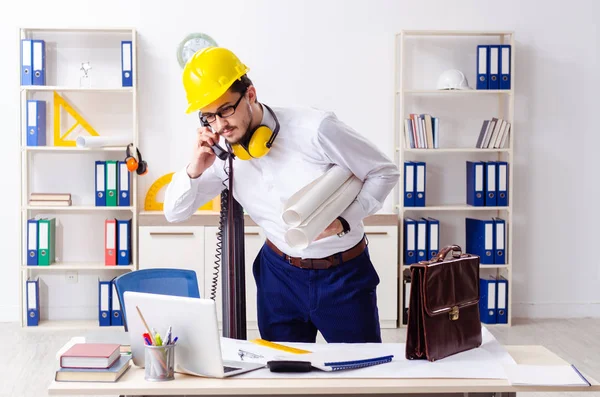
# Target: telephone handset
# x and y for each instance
(219, 151)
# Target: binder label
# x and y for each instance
(31, 296)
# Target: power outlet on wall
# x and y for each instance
(71, 277)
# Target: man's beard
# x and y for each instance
(243, 138)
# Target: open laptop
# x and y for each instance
(193, 321)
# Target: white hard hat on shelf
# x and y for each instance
(453, 79)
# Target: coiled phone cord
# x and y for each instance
(222, 219)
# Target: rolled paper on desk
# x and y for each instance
(302, 235)
(102, 141)
(307, 200)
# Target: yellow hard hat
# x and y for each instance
(208, 74)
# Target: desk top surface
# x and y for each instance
(132, 382)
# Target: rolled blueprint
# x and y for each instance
(302, 235)
(305, 201)
(102, 141)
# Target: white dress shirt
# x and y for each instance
(308, 143)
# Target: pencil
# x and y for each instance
(146, 325)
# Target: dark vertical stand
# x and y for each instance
(233, 267)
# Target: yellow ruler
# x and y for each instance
(59, 137)
(278, 346)
(152, 204)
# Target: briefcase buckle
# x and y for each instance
(454, 313)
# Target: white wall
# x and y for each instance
(339, 55)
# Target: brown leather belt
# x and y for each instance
(322, 263)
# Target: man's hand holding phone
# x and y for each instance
(203, 156)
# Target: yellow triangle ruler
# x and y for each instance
(59, 137)
(152, 204)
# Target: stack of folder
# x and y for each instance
(493, 301)
(493, 67)
(487, 239)
(41, 241)
(414, 183)
(109, 306)
(33, 62)
(113, 184)
(50, 199)
(487, 183)
(422, 131)
(117, 242)
(494, 134)
(421, 239)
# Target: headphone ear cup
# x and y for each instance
(132, 164)
(240, 152)
(258, 143)
(142, 168)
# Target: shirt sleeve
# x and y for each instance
(184, 195)
(345, 147)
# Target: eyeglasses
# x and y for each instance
(225, 112)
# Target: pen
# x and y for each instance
(168, 342)
(158, 339)
(175, 340)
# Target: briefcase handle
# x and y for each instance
(455, 249)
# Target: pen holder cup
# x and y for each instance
(159, 363)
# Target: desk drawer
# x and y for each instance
(172, 247)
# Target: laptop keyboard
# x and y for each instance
(229, 369)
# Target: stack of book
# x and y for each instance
(50, 199)
(92, 362)
(493, 134)
(422, 131)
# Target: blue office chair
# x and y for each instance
(176, 282)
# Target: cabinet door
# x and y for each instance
(253, 241)
(383, 249)
(179, 247)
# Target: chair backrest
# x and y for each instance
(176, 282)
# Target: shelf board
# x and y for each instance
(457, 92)
(453, 150)
(80, 89)
(62, 266)
(78, 208)
(72, 325)
(474, 33)
(73, 149)
(455, 207)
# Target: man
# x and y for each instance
(296, 296)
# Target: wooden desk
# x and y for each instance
(133, 383)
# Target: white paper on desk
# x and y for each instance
(302, 235)
(485, 362)
(544, 375)
(230, 349)
(305, 201)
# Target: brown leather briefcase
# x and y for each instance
(443, 312)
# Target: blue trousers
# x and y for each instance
(293, 303)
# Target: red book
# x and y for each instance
(90, 355)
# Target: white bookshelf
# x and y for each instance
(66, 48)
(406, 89)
